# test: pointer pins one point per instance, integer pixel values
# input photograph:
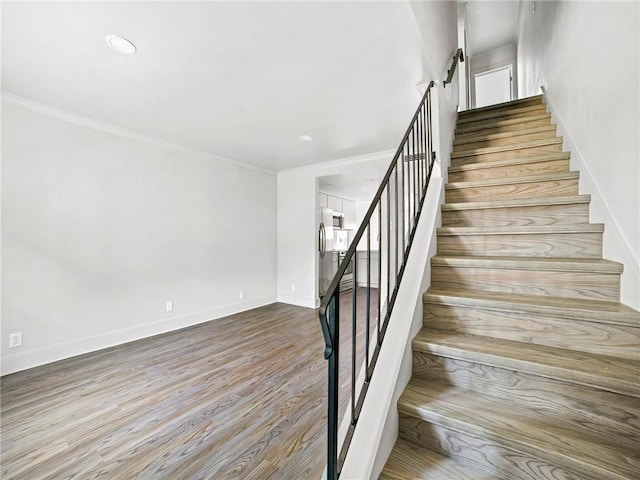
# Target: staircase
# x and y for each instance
(527, 366)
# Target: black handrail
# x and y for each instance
(414, 158)
(454, 64)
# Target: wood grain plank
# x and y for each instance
(521, 430)
(511, 171)
(409, 461)
(480, 136)
(587, 285)
(514, 111)
(597, 371)
(518, 215)
(240, 397)
(504, 126)
(543, 244)
(598, 412)
(533, 100)
(533, 188)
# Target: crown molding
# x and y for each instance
(112, 129)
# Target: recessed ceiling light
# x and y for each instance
(306, 138)
(121, 45)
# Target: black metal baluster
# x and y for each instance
(368, 374)
(354, 325)
(395, 226)
(419, 160)
(404, 213)
(415, 178)
(386, 313)
(430, 165)
(410, 186)
(424, 143)
(334, 368)
(378, 338)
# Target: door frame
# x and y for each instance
(480, 73)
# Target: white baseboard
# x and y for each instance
(33, 358)
(616, 246)
(298, 301)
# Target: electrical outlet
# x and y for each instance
(170, 306)
(241, 294)
(293, 288)
(15, 340)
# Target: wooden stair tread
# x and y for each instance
(516, 202)
(522, 429)
(513, 181)
(495, 106)
(523, 230)
(597, 371)
(509, 162)
(505, 148)
(506, 122)
(594, 310)
(529, 263)
(528, 365)
(409, 461)
(499, 113)
(495, 136)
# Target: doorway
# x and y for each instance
(494, 86)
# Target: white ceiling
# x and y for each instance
(359, 185)
(238, 79)
(491, 24)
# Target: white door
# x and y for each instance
(493, 86)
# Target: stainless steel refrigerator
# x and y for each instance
(328, 261)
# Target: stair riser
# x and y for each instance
(486, 126)
(542, 189)
(523, 103)
(511, 171)
(572, 245)
(504, 461)
(599, 412)
(481, 136)
(594, 285)
(513, 154)
(569, 214)
(509, 126)
(583, 336)
(511, 140)
(481, 118)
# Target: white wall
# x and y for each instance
(298, 225)
(586, 56)
(297, 188)
(100, 227)
(463, 84)
(438, 24)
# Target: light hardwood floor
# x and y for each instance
(238, 397)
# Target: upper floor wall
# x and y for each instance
(585, 56)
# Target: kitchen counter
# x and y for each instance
(361, 267)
